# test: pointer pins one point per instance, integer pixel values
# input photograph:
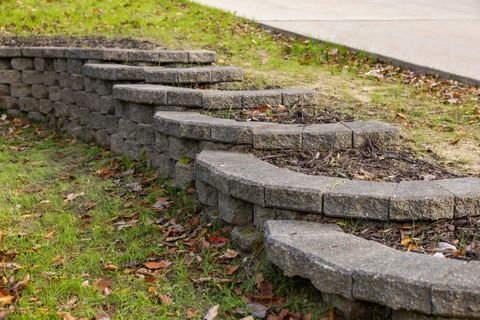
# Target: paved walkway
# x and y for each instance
(438, 35)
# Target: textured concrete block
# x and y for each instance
(164, 165)
(278, 137)
(298, 97)
(54, 93)
(77, 82)
(401, 281)
(104, 87)
(207, 194)
(172, 56)
(45, 106)
(467, 195)
(329, 136)
(19, 90)
(184, 97)
(8, 103)
(139, 113)
(22, 63)
(68, 96)
(161, 142)
(39, 91)
(28, 104)
(421, 200)
(252, 99)
(4, 90)
(5, 64)
(459, 294)
(181, 148)
(226, 74)
(183, 174)
(201, 56)
(235, 211)
(145, 134)
(42, 64)
(366, 132)
(262, 214)
(60, 65)
(222, 100)
(359, 199)
(33, 77)
(299, 192)
(10, 52)
(246, 238)
(103, 138)
(35, 116)
(74, 66)
(10, 76)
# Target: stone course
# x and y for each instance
(119, 99)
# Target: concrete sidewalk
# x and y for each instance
(435, 36)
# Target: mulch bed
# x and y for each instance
(370, 164)
(456, 239)
(282, 114)
(88, 41)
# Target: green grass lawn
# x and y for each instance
(436, 116)
(74, 219)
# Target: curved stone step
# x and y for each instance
(122, 72)
(214, 99)
(109, 54)
(358, 269)
(264, 135)
(261, 184)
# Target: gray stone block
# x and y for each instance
(365, 132)
(116, 143)
(39, 91)
(298, 97)
(10, 76)
(74, 66)
(459, 294)
(61, 110)
(68, 96)
(246, 238)
(8, 103)
(183, 174)
(161, 142)
(139, 113)
(401, 280)
(28, 104)
(262, 215)
(5, 64)
(348, 309)
(54, 93)
(328, 136)
(33, 77)
(467, 195)
(222, 99)
(299, 192)
(278, 137)
(45, 106)
(43, 52)
(201, 56)
(22, 63)
(142, 55)
(230, 131)
(145, 134)
(49, 78)
(234, 211)
(184, 97)
(226, 74)
(19, 90)
(359, 199)
(172, 56)
(114, 72)
(182, 148)
(89, 84)
(36, 116)
(14, 113)
(10, 51)
(252, 99)
(77, 82)
(84, 53)
(112, 54)
(207, 194)
(104, 87)
(163, 163)
(161, 75)
(63, 79)
(421, 200)
(41, 64)
(60, 65)
(188, 125)
(103, 138)
(4, 90)
(193, 75)
(127, 129)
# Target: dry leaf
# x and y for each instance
(191, 313)
(212, 313)
(164, 299)
(229, 254)
(6, 300)
(154, 265)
